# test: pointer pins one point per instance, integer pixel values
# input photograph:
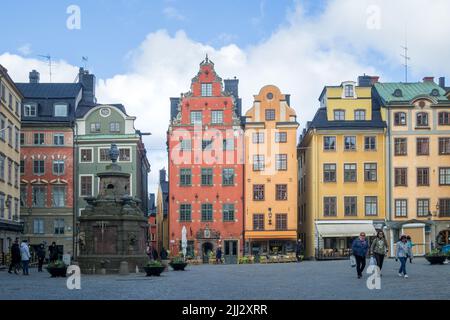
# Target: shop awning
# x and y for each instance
(327, 230)
(273, 235)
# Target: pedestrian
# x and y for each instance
(15, 257)
(219, 254)
(41, 256)
(379, 249)
(410, 246)
(163, 254)
(53, 252)
(402, 254)
(155, 254)
(299, 250)
(25, 256)
(149, 252)
(360, 247)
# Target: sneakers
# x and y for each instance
(406, 276)
(400, 275)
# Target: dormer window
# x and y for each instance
(422, 119)
(339, 115)
(206, 89)
(349, 91)
(30, 109)
(360, 115)
(398, 93)
(435, 93)
(60, 109)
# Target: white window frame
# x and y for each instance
(79, 185)
(28, 108)
(92, 155)
(59, 104)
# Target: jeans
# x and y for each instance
(360, 264)
(379, 258)
(402, 265)
(25, 266)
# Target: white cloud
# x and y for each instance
(300, 58)
(25, 49)
(173, 13)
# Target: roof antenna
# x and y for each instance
(405, 56)
(85, 61)
(48, 57)
(206, 59)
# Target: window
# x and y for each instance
(2, 205)
(280, 137)
(350, 172)
(24, 195)
(207, 145)
(10, 133)
(58, 226)
(400, 119)
(444, 207)
(350, 206)
(444, 146)
(22, 166)
(185, 212)
(444, 176)
(38, 167)
(280, 221)
(360, 115)
(186, 145)
(370, 143)
(228, 176)
(401, 177)
(38, 226)
(196, 117)
(10, 163)
(39, 139)
(350, 143)
(86, 155)
(2, 128)
(281, 192)
(371, 204)
(3, 91)
(349, 91)
(258, 162)
(124, 154)
(114, 127)
(30, 110)
(400, 146)
(17, 107)
(370, 172)
(423, 176)
(95, 127)
(207, 212)
(16, 138)
(16, 174)
(339, 115)
(423, 207)
(2, 167)
(58, 167)
(444, 118)
(329, 172)
(228, 212)
(258, 192)
(422, 119)
(104, 155)
(59, 196)
(39, 194)
(10, 101)
(258, 221)
(10, 207)
(185, 177)
(329, 143)
(270, 114)
(281, 162)
(217, 117)
(401, 207)
(258, 137)
(206, 89)
(228, 144)
(60, 110)
(22, 139)
(329, 206)
(86, 186)
(207, 177)
(423, 146)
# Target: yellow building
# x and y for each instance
(418, 154)
(270, 174)
(10, 102)
(342, 171)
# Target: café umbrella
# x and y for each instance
(183, 241)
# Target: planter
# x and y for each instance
(154, 271)
(436, 259)
(57, 271)
(178, 266)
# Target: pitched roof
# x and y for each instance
(320, 121)
(49, 90)
(84, 108)
(409, 91)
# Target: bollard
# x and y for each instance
(124, 268)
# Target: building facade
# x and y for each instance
(418, 154)
(162, 212)
(152, 228)
(271, 174)
(342, 170)
(10, 125)
(206, 168)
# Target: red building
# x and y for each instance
(206, 167)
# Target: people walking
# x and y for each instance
(53, 252)
(379, 249)
(410, 246)
(25, 256)
(299, 250)
(402, 254)
(219, 255)
(15, 256)
(41, 256)
(360, 247)
(163, 254)
(154, 253)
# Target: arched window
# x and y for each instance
(400, 119)
(422, 119)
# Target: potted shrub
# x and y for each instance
(435, 256)
(57, 269)
(178, 264)
(154, 268)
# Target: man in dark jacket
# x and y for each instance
(15, 256)
(41, 256)
(163, 254)
(53, 252)
(359, 249)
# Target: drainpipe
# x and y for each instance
(389, 192)
(75, 193)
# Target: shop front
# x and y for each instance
(270, 243)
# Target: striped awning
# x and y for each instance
(327, 230)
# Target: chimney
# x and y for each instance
(174, 102)
(87, 80)
(442, 82)
(162, 175)
(374, 79)
(34, 76)
(288, 99)
(428, 79)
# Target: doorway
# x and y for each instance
(207, 248)
(230, 251)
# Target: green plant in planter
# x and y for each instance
(57, 264)
(435, 253)
(177, 260)
(154, 263)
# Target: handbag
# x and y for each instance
(352, 261)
